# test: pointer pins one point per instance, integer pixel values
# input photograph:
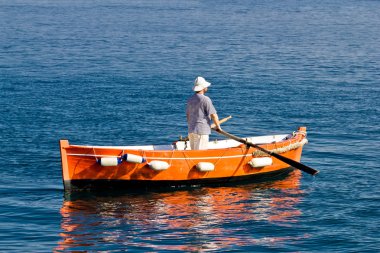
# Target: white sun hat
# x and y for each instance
(200, 83)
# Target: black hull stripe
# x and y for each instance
(149, 185)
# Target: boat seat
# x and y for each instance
(181, 145)
(163, 147)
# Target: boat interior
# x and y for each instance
(214, 144)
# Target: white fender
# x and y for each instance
(205, 166)
(133, 158)
(158, 165)
(258, 162)
(109, 161)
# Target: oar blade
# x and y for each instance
(296, 164)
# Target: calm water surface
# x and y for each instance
(119, 73)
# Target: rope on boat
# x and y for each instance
(291, 146)
(97, 160)
(187, 159)
(300, 132)
(171, 160)
(220, 157)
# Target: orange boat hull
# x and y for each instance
(81, 168)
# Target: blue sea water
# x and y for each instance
(119, 72)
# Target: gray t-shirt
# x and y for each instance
(199, 108)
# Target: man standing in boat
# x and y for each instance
(199, 112)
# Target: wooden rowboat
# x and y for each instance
(176, 166)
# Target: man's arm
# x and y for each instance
(215, 119)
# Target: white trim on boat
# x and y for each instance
(168, 158)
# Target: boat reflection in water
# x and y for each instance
(198, 219)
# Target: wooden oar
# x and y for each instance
(289, 161)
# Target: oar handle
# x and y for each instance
(221, 121)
